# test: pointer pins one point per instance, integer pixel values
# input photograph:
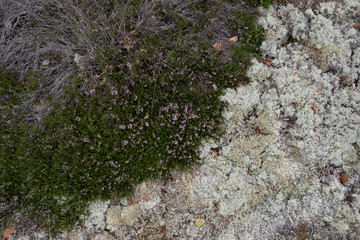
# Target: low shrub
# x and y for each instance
(144, 98)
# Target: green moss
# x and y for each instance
(141, 114)
(264, 3)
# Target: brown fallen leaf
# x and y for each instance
(278, 15)
(357, 25)
(297, 75)
(314, 108)
(217, 46)
(129, 201)
(344, 78)
(314, 130)
(318, 90)
(214, 153)
(233, 39)
(258, 132)
(8, 232)
(343, 178)
(267, 62)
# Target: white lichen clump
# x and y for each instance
(299, 118)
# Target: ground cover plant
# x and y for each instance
(99, 96)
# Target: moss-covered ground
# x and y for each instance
(142, 96)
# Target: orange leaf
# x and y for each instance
(344, 78)
(357, 25)
(267, 62)
(258, 132)
(217, 46)
(343, 178)
(278, 15)
(214, 153)
(314, 108)
(233, 39)
(314, 130)
(318, 90)
(8, 232)
(297, 75)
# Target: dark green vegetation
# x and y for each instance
(264, 3)
(137, 106)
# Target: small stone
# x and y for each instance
(117, 216)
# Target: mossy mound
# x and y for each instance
(137, 108)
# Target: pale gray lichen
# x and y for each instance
(96, 218)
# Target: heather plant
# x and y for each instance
(264, 3)
(113, 94)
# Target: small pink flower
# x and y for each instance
(153, 17)
(78, 118)
(114, 92)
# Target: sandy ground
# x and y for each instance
(288, 167)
